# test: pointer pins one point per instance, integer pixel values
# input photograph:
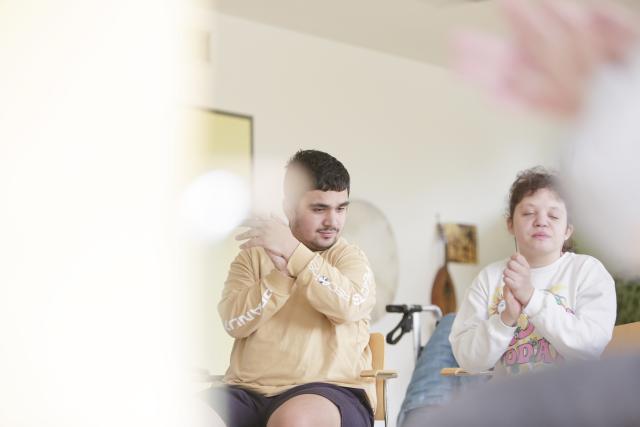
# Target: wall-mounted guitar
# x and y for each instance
(443, 293)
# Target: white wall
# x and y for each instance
(416, 140)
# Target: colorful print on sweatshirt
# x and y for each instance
(528, 350)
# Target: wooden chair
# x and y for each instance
(376, 343)
(625, 339)
(459, 372)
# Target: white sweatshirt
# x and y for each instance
(570, 316)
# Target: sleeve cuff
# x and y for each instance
(535, 304)
(300, 258)
(279, 283)
(501, 328)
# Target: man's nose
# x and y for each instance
(330, 219)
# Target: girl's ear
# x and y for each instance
(568, 232)
(510, 225)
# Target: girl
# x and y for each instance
(543, 304)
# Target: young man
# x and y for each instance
(297, 301)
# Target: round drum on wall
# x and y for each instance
(368, 228)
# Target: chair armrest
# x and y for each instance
(379, 374)
(459, 372)
(203, 376)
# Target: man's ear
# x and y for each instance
(569, 231)
(510, 225)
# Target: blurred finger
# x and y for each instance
(251, 243)
(618, 28)
(278, 219)
(274, 254)
(532, 32)
(248, 235)
(490, 63)
(583, 48)
(557, 57)
(253, 222)
(480, 58)
(534, 89)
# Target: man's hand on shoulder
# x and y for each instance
(273, 235)
(279, 262)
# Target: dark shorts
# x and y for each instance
(242, 408)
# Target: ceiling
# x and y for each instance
(415, 29)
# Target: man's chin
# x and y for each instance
(323, 245)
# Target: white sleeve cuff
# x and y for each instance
(500, 327)
(535, 304)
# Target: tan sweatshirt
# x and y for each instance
(313, 326)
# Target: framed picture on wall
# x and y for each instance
(218, 140)
(461, 242)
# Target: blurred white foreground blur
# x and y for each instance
(91, 314)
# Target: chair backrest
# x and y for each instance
(625, 339)
(376, 343)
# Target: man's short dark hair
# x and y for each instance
(322, 171)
